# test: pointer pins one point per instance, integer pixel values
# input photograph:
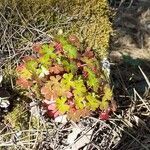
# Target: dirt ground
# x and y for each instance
(130, 49)
(132, 29)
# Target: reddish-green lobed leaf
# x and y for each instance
(48, 92)
(45, 60)
(31, 65)
(74, 40)
(75, 114)
(69, 79)
(23, 72)
(20, 68)
(24, 83)
(88, 53)
(52, 110)
(58, 48)
(56, 69)
(37, 46)
(48, 50)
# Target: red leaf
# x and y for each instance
(74, 40)
(88, 53)
(56, 69)
(24, 83)
(53, 114)
(48, 92)
(28, 58)
(20, 68)
(52, 110)
(69, 94)
(85, 74)
(36, 47)
(104, 115)
(58, 47)
(71, 104)
(75, 114)
(52, 106)
(94, 69)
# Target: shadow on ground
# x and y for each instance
(129, 50)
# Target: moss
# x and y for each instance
(93, 25)
(18, 117)
(85, 18)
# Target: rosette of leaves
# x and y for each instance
(66, 78)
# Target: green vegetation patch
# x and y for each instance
(89, 20)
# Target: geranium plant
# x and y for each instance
(66, 78)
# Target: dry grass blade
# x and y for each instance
(140, 122)
(128, 133)
(145, 77)
(147, 106)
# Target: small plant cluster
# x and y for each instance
(66, 78)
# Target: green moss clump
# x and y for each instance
(18, 118)
(93, 25)
(85, 18)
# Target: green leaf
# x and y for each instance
(89, 62)
(26, 74)
(23, 72)
(48, 50)
(106, 98)
(93, 102)
(92, 80)
(67, 80)
(61, 105)
(69, 66)
(31, 65)
(104, 105)
(79, 88)
(61, 39)
(70, 50)
(58, 60)
(107, 94)
(79, 102)
(45, 60)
